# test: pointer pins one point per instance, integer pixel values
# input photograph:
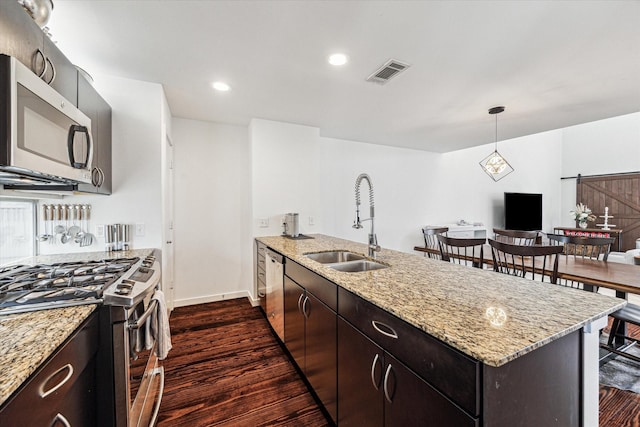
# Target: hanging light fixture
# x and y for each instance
(494, 164)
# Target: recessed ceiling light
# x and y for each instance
(338, 59)
(221, 86)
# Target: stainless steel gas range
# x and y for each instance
(130, 376)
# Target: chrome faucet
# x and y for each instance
(373, 240)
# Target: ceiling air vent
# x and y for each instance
(390, 69)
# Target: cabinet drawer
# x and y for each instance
(63, 385)
(448, 370)
(261, 248)
(261, 262)
(324, 290)
(262, 276)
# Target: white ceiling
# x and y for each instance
(551, 63)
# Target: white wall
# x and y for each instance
(286, 175)
(468, 193)
(136, 151)
(601, 147)
(294, 169)
(213, 257)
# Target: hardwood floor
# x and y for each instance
(227, 369)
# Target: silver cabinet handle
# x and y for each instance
(158, 371)
(46, 393)
(304, 307)
(53, 70)
(376, 384)
(300, 302)
(384, 329)
(261, 294)
(44, 63)
(386, 384)
(62, 419)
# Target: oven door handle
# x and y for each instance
(140, 321)
(156, 410)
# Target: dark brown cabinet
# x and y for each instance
(294, 321)
(21, 38)
(60, 73)
(63, 390)
(376, 389)
(96, 108)
(310, 330)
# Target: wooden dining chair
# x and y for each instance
(463, 251)
(597, 248)
(431, 240)
(515, 237)
(594, 248)
(630, 313)
(528, 261)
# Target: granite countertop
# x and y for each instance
(28, 339)
(491, 317)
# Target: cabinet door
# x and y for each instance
(94, 107)
(360, 375)
(103, 144)
(21, 37)
(61, 74)
(410, 401)
(320, 352)
(294, 321)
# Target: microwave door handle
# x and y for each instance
(71, 140)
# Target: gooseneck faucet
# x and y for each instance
(373, 240)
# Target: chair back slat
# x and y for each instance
(597, 248)
(431, 239)
(463, 251)
(526, 261)
(515, 237)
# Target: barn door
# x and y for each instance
(621, 194)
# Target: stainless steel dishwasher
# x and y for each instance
(275, 291)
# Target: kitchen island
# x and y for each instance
(501, 322)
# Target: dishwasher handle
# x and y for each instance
(274, 256)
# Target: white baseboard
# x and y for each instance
(218, 297)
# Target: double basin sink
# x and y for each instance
(345, 261)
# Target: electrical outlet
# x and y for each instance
(263, 222)
(140, 229)
(312, 221)
(100, 230)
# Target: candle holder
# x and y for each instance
(606, 216)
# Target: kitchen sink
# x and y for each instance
(356, 266)
(334, 257)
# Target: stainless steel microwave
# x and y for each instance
(44, 138)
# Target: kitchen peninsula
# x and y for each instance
(498, 350)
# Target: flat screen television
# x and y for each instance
(522, 211)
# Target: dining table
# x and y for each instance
(622, 278)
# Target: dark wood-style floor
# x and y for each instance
(227, 369)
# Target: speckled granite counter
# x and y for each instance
(451, 302)
(28, 339)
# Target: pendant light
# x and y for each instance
(494, 164)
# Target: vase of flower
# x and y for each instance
(582, 214)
